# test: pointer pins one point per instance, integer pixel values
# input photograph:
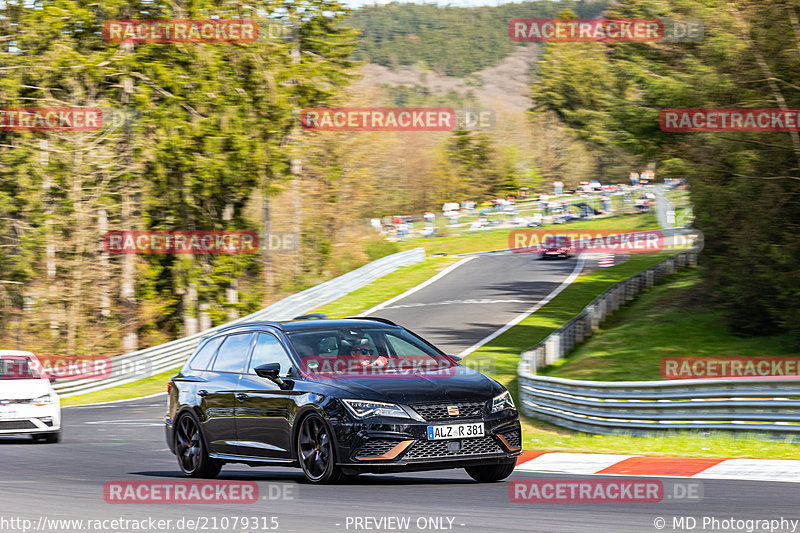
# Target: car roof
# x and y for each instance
(306, 325)
(363, 322)
(16, 352)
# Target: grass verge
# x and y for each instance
(497, 239)
(698, 332)
(671, 320)
(143, 387)
(501, 355)
(386, 287)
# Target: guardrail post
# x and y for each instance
(649, 278)
(692, 260)
(580, 326)
(552, 349)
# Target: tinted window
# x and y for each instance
(268, 349)
(233, 353)
(202, 359)
(403, 347)
(339, 341)
(19, 368)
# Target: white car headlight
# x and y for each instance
(47, 399)
(365, 408)
(502, 402)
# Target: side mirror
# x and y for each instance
(270, 371)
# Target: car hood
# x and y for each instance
(466, 384)
(23, 389)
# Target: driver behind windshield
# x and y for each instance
(364, 352)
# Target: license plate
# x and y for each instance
(8, 413)
(455, 431)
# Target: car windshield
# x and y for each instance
(373, 343)
(19, 367)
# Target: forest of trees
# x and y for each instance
(455, 41)
(745, 187)
(213, 143)
(214, 137)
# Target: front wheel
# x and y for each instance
(491, 473)
(49, 438)
(315, 451)
(190, 449)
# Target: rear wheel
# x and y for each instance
(315, 451)
(491, 473)
(191, 451)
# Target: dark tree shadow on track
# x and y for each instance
(292, 476)
(17, 440)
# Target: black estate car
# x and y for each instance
(337, 398)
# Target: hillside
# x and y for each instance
(454, 41)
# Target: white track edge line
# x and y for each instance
(522, 316)
(412, 290)
(115, 401)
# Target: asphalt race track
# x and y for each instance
(125, 441)
(477, 298)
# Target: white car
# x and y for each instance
(28, 403)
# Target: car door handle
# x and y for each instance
(202, 393)
(241, 396)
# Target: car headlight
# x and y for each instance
(502, 402)
(43, 400)
(364, 408)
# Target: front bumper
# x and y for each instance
(20, 419)
(383, 445)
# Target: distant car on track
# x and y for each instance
(254, 393)
(28, 403)
(554, 252)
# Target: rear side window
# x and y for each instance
(19, 367)
(233, 353)
(202, 358)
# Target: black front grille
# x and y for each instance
(430, 449)
(376, 447)
(513, 437)
(438, 411)
(16, 424)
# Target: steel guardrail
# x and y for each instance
(148, 362)
(647, 407)
(560, 342)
